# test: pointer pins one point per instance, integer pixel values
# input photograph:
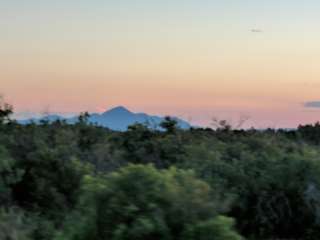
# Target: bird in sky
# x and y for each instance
(256, 30)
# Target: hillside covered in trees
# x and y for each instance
(83, 182)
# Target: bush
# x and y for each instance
(140, 202)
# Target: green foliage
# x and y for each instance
(169, 124)
(76, 182)
(5, 111)
(310, 132)
(49, 185)
(270, 178)
(8, 176)
(141, 202)
(14, 225)
(220, 228)
(142, 145)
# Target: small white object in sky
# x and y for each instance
(256, 30)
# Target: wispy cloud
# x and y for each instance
(312, 104)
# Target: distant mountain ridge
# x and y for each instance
(118, 118)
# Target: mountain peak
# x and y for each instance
(118, 109)
(117, 118)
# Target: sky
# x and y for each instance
(196, 59)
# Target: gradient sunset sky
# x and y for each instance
(196, 59)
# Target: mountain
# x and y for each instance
(118, 118)
(49, 118)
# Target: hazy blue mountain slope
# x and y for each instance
(118, 118)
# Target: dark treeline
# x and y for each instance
(84, 182)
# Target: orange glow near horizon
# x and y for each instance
(194, 61)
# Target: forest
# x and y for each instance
(79, 181)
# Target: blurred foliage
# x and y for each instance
(141, 202)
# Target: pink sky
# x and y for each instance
(193, 60)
